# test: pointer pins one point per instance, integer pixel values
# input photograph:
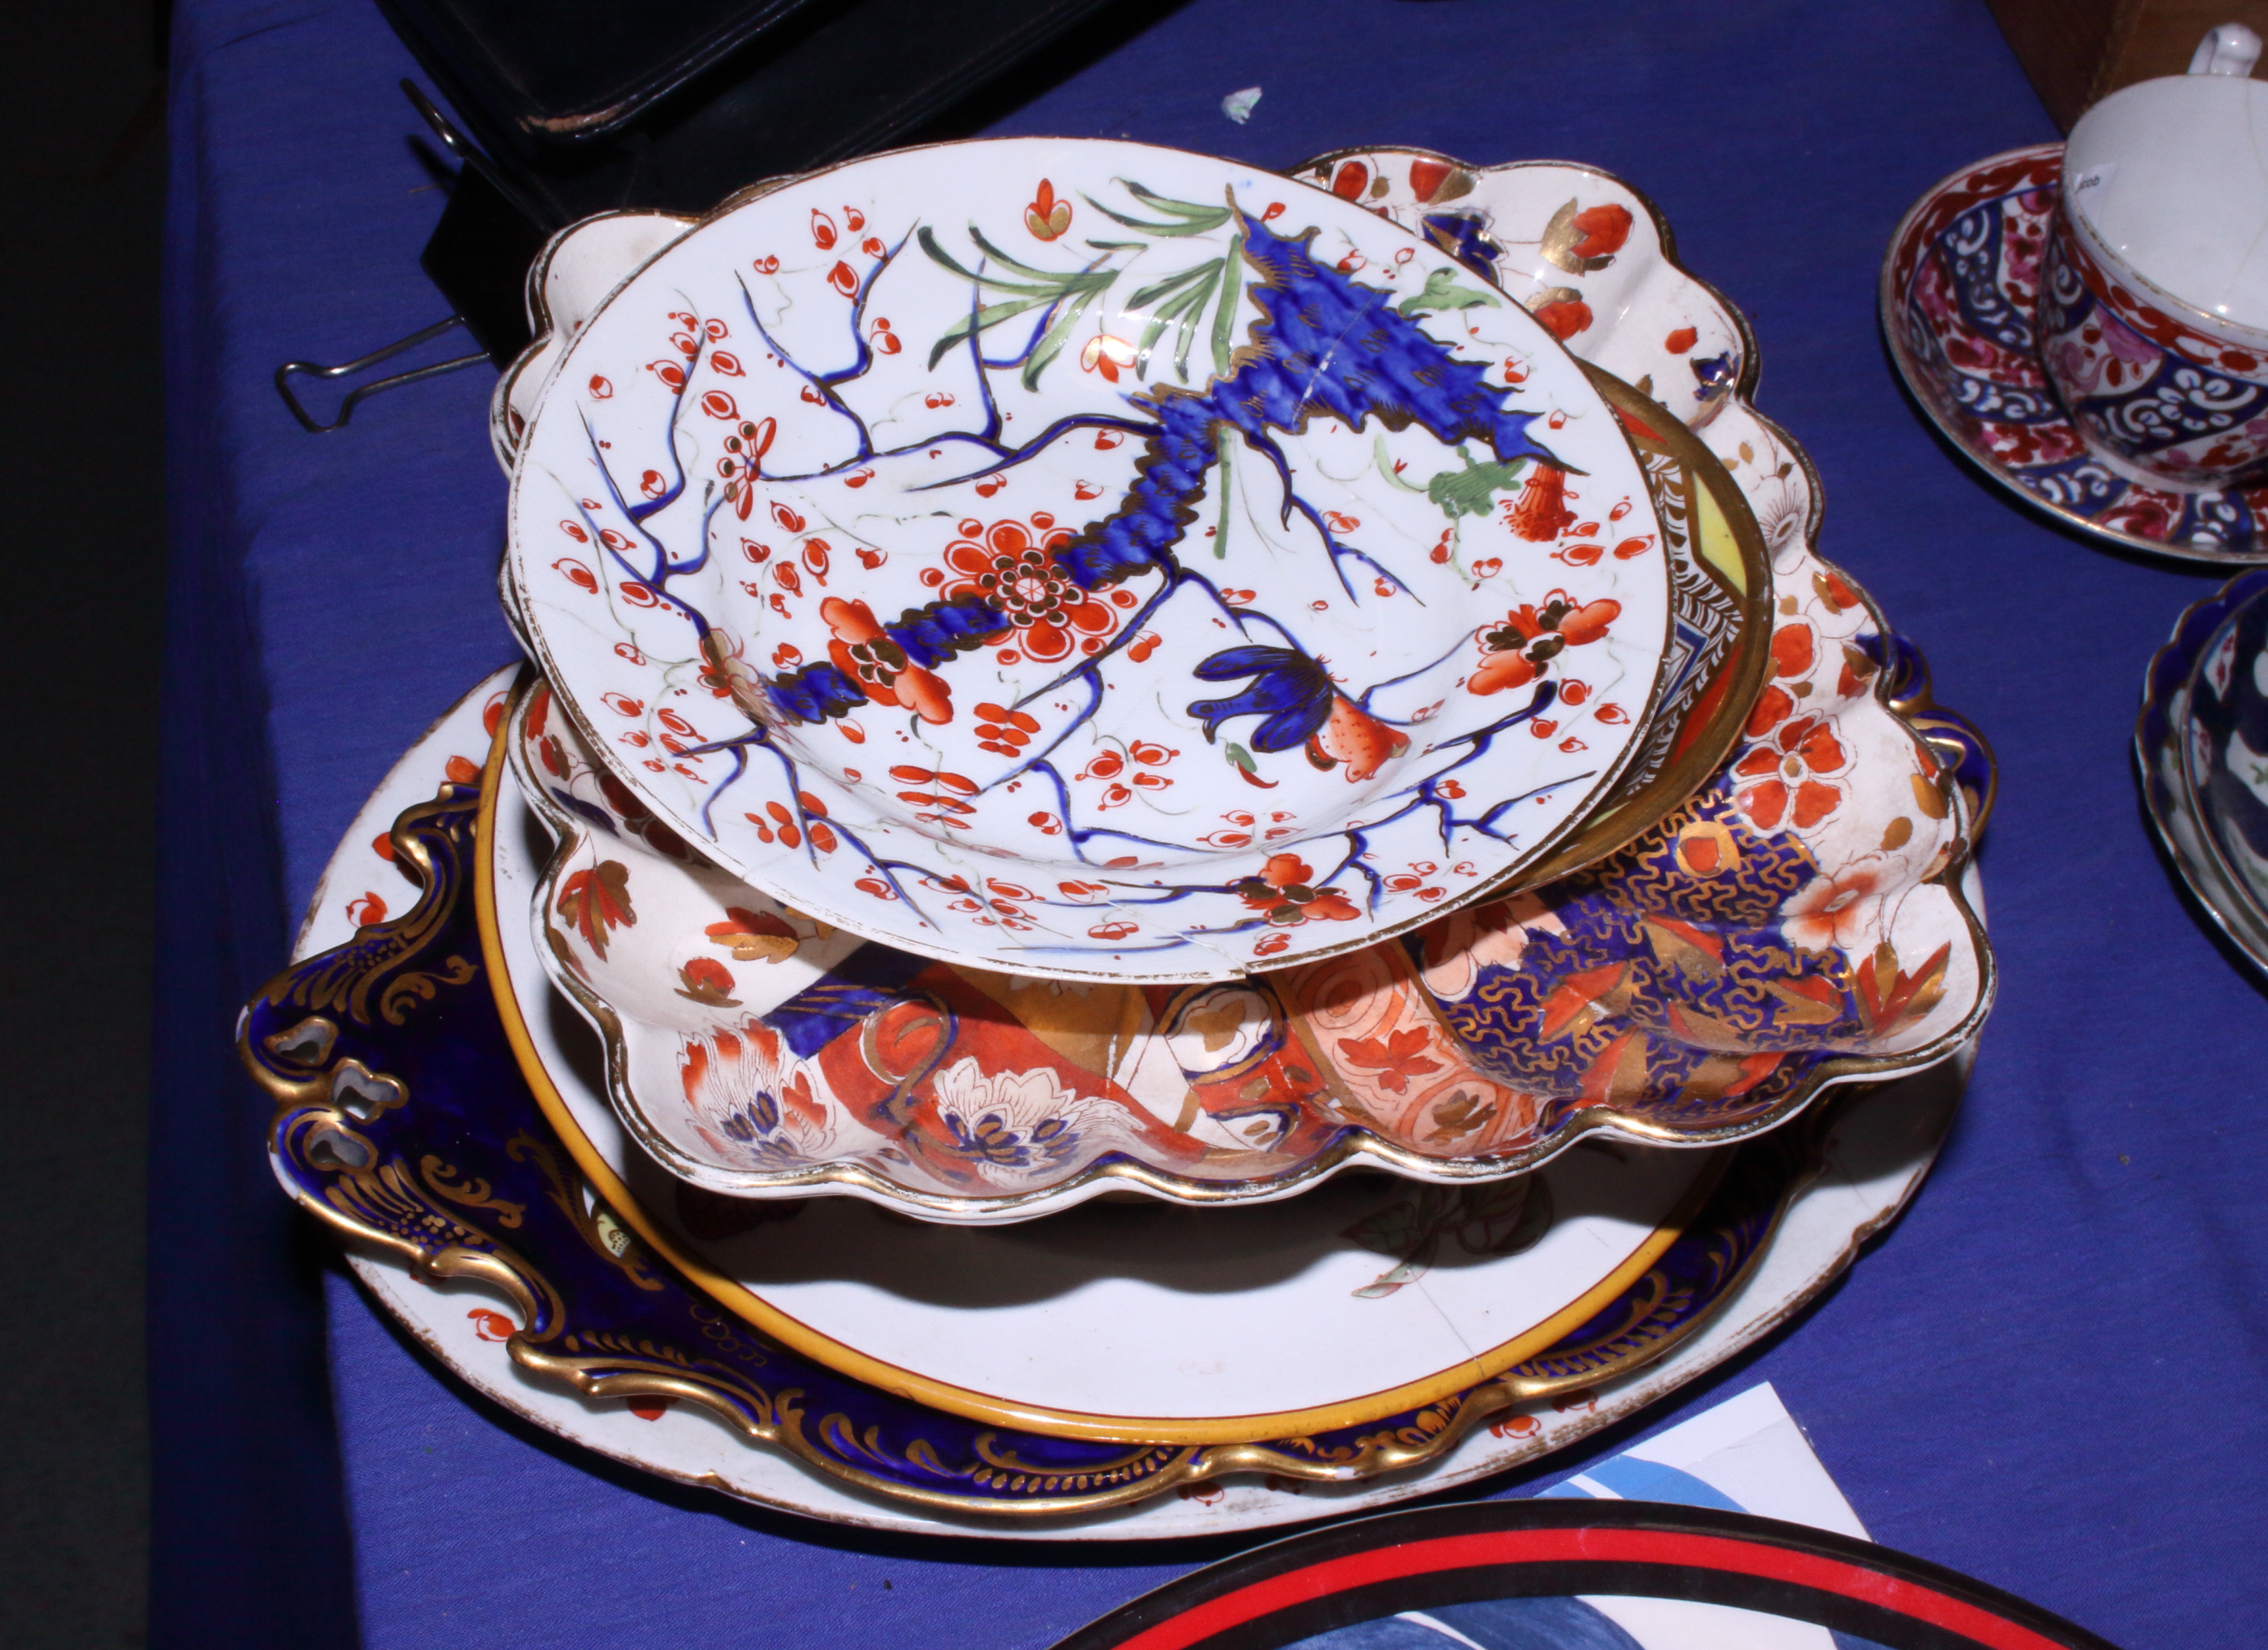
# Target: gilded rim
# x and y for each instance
(1623, 819)
(1891, 305)
(1620, 820)
(1358, 1147)
(1744, 387)
(752, 1308)
(1380, 1454)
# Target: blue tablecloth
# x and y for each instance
(2054, 1373)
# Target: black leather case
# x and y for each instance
(589, 105)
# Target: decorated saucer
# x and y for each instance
(401, 1123)
(1720, 571)
(2181, 746)
(1959, 290)
(1020, 513)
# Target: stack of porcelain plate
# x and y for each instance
(1293, 726)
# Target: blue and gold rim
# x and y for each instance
(403, 1123)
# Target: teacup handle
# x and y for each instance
(2230, 49)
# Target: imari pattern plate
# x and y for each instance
(401, 1123)
(1090, 560)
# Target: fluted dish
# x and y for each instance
(1796, 921)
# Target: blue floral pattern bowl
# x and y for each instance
(2196, 741)
(1026, 553)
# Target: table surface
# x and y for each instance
(2053, 1374)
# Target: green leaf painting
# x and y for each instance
(1441, 291)
(1177, 302)
(1467, 493)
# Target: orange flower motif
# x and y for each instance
(1834, 591)
(1834, 912)
(707, 981)
(1013, 569)
(1530, 638)
(1401, 1057)
(1773, 706)
(1282, 890)
(1353, 736)
(1791, 769)
(1603, 229)
(1107, 354)
(1047, 217)
(1540, 515)
(864, 652)
(1563, 317)
(1792, 650)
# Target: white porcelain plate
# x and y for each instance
(1089, 559)
(1874, 1158)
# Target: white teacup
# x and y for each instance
(2153, 289)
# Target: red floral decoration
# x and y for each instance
(1011, 566)
(1791, 769)
(1285, 890)
(1540, 515)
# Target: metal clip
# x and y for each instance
(362, 392)
(469, 153)
(469, 315)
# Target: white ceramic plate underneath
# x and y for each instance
(1360, 1298)
(1875, 1159)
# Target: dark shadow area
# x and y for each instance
(81, 176)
